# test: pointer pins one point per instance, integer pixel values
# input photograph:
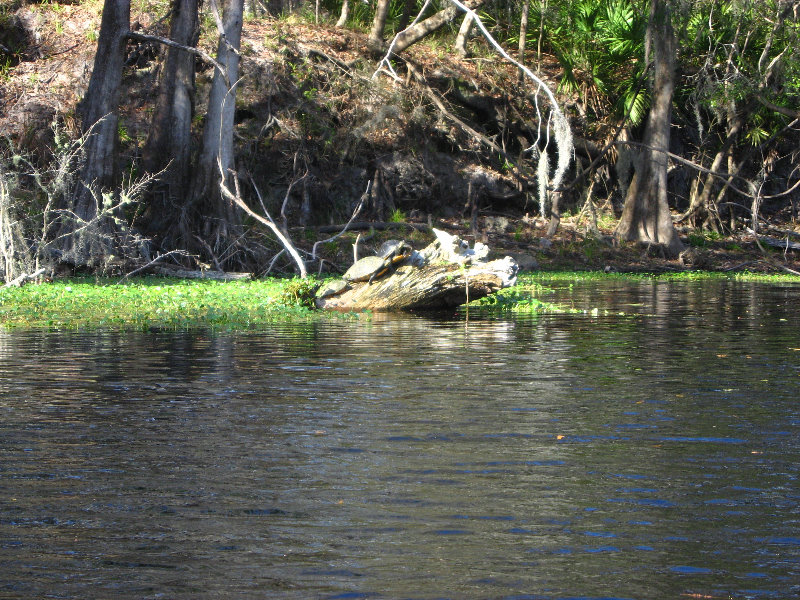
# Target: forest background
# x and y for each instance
(621, 134)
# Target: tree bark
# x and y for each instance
(169, 143)
(523, 35)
(219, 217)
(645, 215)
(463, 35)
(375, 40)
(80, 243)
(344, 14)
(416, 32)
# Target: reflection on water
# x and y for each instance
(640, 456)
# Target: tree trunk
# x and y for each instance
(88, 230)
(415, 33)
(345, 14)
(405, 18)
(523, 35)
(169, 143)
(220, 220)
(463, 35)
(645, 215)
(542, 10)
(375, 41)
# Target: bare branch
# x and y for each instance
(236, 199)
(353, 216)
(788, 112)
(134, 35)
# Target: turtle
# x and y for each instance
(395, 251)
(332, 288)
(368, 268)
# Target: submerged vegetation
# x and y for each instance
(167, 303)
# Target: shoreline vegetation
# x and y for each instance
(125, 148)
(156, 303)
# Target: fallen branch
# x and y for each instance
(774, 242)
(20, 280)
(153, 262)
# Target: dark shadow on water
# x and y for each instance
(652, 454)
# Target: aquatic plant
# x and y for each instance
(149, 302)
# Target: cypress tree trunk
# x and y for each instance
(88, 231)
(218, 217)
(169, 144)
(645, 215)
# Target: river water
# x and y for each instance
(650, 451)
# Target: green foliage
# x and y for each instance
(153, 302)
(299, 292)
(398, 216)
(600, 45)
(701, 238)
(739, 51)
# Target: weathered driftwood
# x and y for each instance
(445, 274)
(776, 242)
(21, 279)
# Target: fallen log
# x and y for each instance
(19, 281)
(445, 274)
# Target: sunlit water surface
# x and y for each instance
(652, 454)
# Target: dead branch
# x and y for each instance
(364, 196)
(135, 35)
(264, 221)
(20, 280)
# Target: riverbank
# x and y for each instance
(317, 132)
(174, 304)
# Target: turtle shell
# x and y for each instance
(366, 268)
(395, 250)
(332, 288)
